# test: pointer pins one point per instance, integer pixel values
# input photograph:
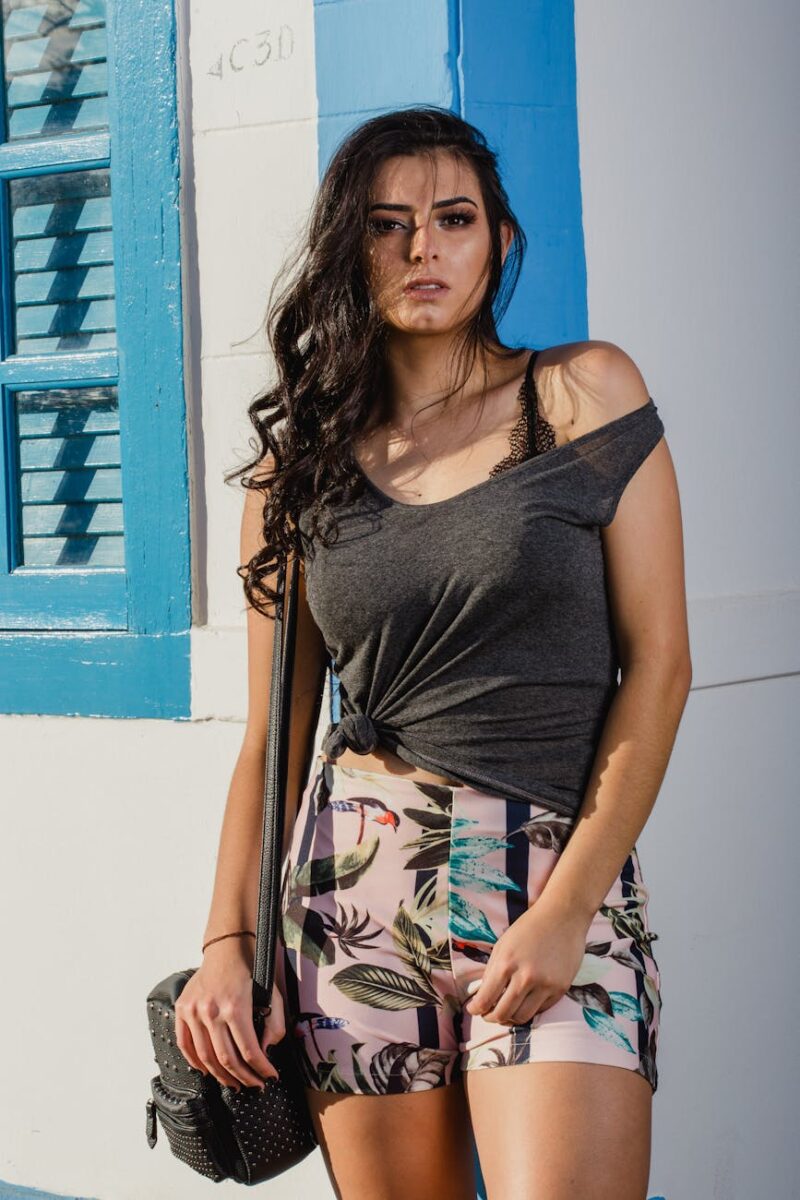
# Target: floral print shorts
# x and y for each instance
(394, 892)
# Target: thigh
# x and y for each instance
(365, 968)
(392, 1147)
(557, 1130)
(610, 1014)
(367, 986)
(561, 1105)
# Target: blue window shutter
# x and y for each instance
(95, 586)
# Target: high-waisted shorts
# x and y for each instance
(394, 892)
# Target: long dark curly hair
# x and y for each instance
(328, 337)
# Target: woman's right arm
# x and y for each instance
(214, 1018)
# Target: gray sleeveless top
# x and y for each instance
(472, 636)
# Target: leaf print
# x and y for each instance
(467, 872)
(410, 946)
(330, 1077)
(362, 1083)
(650, 1000)
(593, 968)
(622, 954)
(434, 852)
(319, 875)
(439, 795)
(626, 1005)
(463, 825)
(499, 1057)
(629, 924)
(303, 931)
(592, 996)
(548, 832)
(607, 1029)
(427, 818)
(647, 1062)
(468, 922)
(477, 847)
(434, 842)
(351, 931)
(404, 1067)
(426, 903)
(439, 955)
(380, 987)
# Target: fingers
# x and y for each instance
(250, 1052)
(205, 1050)
(489, 991)
(185, 1043)
(220, 1040)
(206, 1044)
(504, 1010)
(229, 1058)
(516, 1007)
(511, 1000)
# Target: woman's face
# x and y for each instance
(427, 219)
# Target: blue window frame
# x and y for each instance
(95, 582)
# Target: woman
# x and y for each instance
(483, 545)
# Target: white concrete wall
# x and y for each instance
(689, 196)
(254, 141)
(108, 869)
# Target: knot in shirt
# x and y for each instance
(355, 730)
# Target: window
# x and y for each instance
(95, 599)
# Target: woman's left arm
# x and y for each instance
(643, 550)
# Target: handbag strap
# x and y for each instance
(275, 780)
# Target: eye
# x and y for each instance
(461, 218)
(381, 224)
(465, 216)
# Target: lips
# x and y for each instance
(426, 284)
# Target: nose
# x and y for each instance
(422, 245)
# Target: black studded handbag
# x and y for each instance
(248, 1135)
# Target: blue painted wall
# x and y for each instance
(507, 67)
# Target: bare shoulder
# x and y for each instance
(586, 384)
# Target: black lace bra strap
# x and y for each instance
(541, 435)
(531, 398)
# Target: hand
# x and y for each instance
(214, 1021)
(531, 966)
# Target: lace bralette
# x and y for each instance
(522, 444)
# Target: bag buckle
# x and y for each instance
(151, 1127)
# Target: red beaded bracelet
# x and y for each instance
(237, 933)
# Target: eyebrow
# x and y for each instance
(438, 204)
